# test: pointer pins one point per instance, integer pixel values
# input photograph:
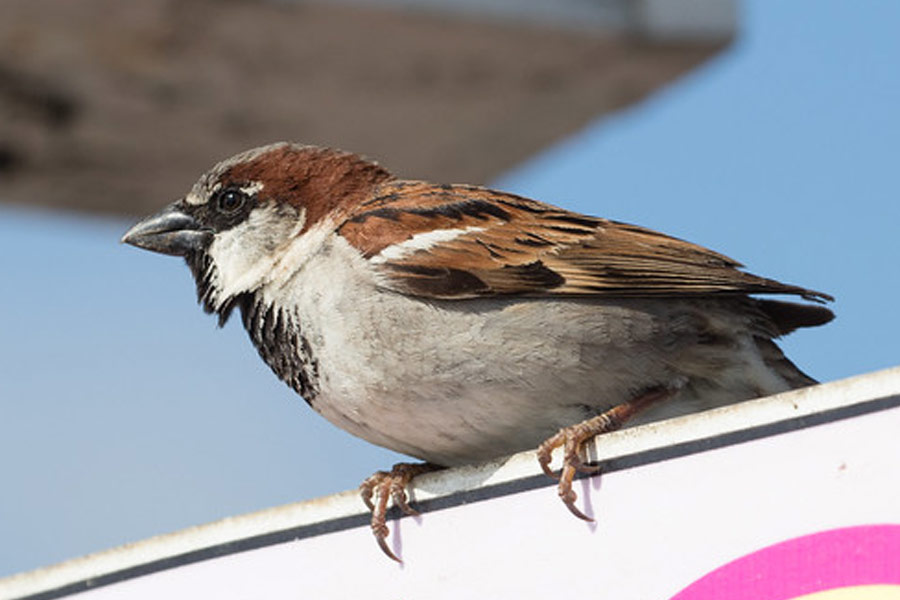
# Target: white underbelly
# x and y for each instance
(454, 382)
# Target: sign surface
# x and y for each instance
(806, 508)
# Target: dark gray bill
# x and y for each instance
(169, 232)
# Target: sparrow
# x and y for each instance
(458, 324)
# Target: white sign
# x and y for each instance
(772, 499)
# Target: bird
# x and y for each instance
(457, 324)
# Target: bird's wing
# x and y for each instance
(457, 241)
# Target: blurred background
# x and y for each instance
(766, 130)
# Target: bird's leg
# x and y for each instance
(390, 485)
(572, 440)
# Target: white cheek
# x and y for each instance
(236, 269)
(248, 255)
(421, 241)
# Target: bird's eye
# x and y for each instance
(231, 201)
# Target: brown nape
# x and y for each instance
(788, 316)
(320, 180)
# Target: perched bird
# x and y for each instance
(455, 323)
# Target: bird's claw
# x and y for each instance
(572, 440)
(390, 485)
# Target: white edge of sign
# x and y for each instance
(771, 410)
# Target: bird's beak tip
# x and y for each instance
(169, 232)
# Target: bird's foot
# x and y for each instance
(572, 439)
(390, 485)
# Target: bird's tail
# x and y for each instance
(786, 317)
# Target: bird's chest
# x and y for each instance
(281, 343)
(316, 328)
(364, 358)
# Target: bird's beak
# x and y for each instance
(171, 231)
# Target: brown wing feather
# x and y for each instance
(500, 243)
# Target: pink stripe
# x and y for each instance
(828, 560)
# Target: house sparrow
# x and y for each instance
(457, 324)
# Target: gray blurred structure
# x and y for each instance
(685, 20)
(118, 106)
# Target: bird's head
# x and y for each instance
(240, 220)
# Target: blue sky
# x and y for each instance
(125, 413)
